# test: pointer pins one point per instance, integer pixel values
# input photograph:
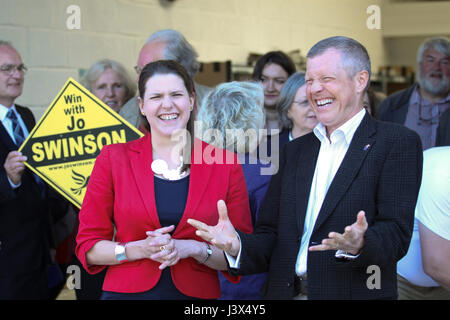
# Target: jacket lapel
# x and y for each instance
(26, 117)
(141, 157)
(306, 164)
(360, 146)
(198, 183)
(400, 112)
(6, 138)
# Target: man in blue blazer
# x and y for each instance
(25, 201)
(339, 213)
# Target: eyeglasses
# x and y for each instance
(9, 69)
(137, 69)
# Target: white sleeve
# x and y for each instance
(232, 261)
(433, 204)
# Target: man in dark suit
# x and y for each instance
(422, 106)
(25, 203)
(338, 214)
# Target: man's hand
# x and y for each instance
(14, 166)
(222, 235)
(351, 241)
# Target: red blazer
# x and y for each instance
(121, 194)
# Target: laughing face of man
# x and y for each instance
(333, 94)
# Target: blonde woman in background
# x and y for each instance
(232, 117)
(109, 81)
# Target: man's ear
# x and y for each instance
(361, 79)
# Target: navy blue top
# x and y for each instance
(170, 197)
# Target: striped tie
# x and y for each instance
(19, 136)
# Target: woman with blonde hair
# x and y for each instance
(109, 81)
(232, 117)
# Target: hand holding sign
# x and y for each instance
(14, 166)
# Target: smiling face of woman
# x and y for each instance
(166, 104)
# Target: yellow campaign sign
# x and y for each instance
(64, 144)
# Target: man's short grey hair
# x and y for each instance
(287, 97)
(97, 69)
(440, 44)
(178, 49)
(232, 107)
(355, 57)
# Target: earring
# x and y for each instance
(143, 113)
(191, 108)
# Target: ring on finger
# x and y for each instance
(162, 248)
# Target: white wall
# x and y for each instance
(219, 30)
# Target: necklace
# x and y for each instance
(159, 166)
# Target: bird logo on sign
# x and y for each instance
(81, 181)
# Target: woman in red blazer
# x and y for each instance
(147, 189)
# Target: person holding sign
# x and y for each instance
(148, 189)
(25, 201)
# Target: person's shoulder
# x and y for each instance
(390, 131)
(401, 94)
(23, 109)
(211, 154)
(396, 99)
(129, 107)
(301, 142)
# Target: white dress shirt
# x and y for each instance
(331, 154)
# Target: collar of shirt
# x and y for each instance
(347, 130)
(4, 110)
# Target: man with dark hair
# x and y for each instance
(422, 106)
(25, 201)
(338, 215)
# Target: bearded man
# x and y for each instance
(424, 107)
